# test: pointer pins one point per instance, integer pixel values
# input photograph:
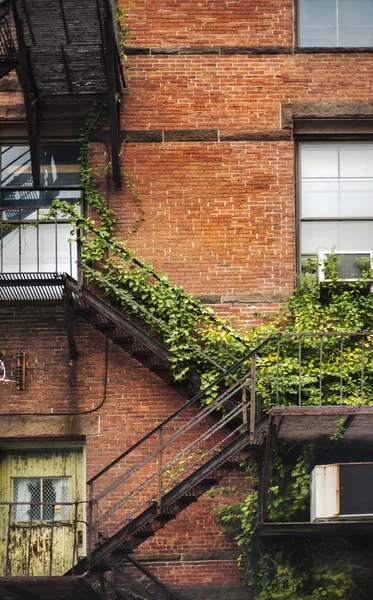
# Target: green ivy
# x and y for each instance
(291, 570)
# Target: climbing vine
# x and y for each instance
(291, 570)
(197, 338)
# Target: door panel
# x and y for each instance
(42, 531)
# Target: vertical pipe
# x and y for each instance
(252, 397)
(278, 371)
(300, 372)
(90, 525)
(8, 540)
(160, 468)
(341, 373)
(244, 408)
(56, 242)
(19, 243)
(320, 373)
(362, 368)
(29, 545)
(75, 533)
(37, 242)
(52, 536)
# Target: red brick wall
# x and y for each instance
(217, 215)
(223, 22)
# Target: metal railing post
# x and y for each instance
(90, 525)
(252, 397)
(160, 469)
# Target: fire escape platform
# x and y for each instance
(315, 530)
(320, 423)
(63, 49)
(66, 44)
(31, 288)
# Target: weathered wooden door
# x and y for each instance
(42, 527)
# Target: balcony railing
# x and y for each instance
(32, 242)
(41, 538)
(8, 50)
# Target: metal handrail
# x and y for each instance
(119, 292)
(197, 398)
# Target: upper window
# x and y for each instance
(335, 23)
(336, 198)
(30, 241)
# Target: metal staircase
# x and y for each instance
(135, 334)
(169, 469)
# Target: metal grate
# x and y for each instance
(7, 48)
(56, 490)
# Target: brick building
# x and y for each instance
(239, 121)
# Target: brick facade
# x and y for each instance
(213, 167)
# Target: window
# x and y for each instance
(40, 490)
(336, 198)
(30, 242)
(343, 23)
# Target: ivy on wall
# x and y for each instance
(294, 569)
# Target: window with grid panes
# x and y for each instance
(335, 23)
(44, 246)
(39, 498)
(336, 198)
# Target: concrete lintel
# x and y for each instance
(324, 110)
(40, 426)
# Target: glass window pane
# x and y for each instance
(340, 235)
(355, 23)
(26, 489)
(59, 166)
(320, 198)
(356, 198)
(356, 160)
(56, 490)
(317, 23)
(319, 160)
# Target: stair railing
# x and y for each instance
(175, 448)
(273, 374)
(122, 295)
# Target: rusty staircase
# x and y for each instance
(136, 333)
(169, 469)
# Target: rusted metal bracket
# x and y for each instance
(266, 472)
(21, 371)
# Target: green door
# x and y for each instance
(42, 527)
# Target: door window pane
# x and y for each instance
(27, 489)
(41, 490)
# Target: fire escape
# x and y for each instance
(63, 48)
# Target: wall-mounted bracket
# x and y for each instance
(21, 370)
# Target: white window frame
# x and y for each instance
(300, 219)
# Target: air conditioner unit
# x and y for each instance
(342, 491)
(348, 268)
